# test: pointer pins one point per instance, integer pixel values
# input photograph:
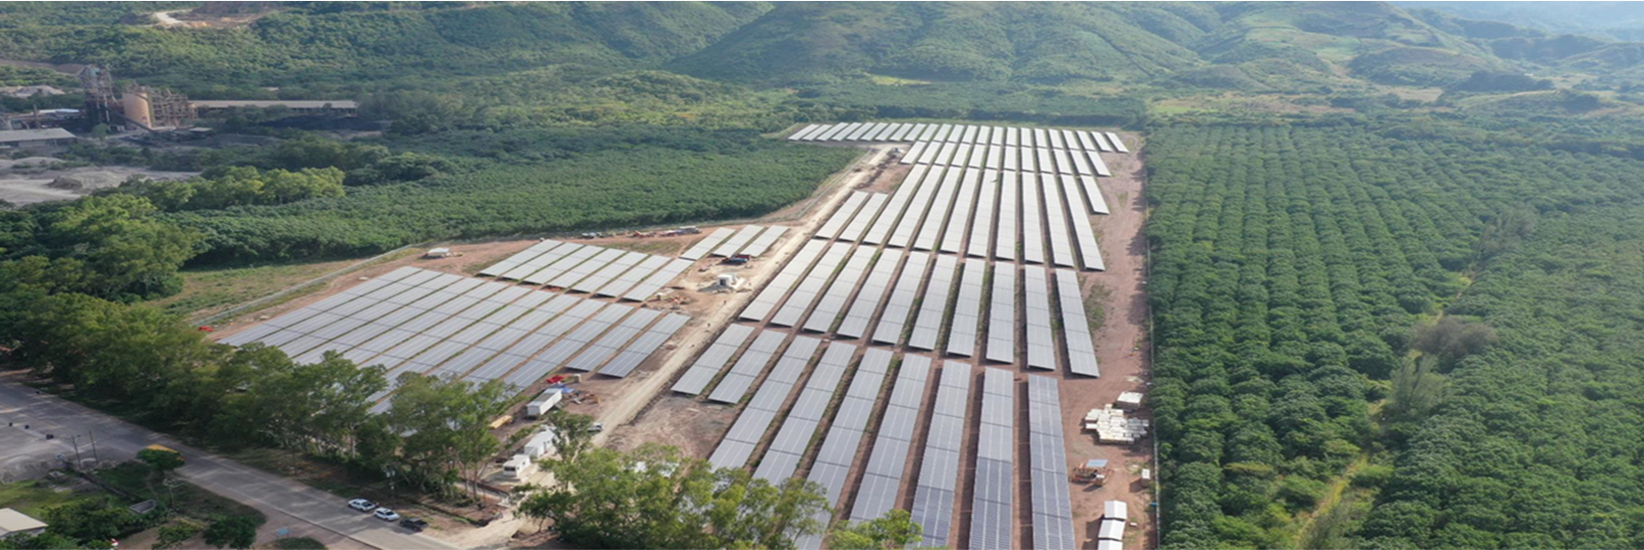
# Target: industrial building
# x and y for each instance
(33, 139)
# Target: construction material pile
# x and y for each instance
(1111, 426)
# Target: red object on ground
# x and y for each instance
(204, 328)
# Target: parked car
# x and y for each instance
(413, 524)
(362, 505)
(387, 515)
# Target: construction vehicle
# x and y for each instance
(735, 260)
(1095, 472)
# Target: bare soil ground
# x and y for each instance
(1123, 352)
(19, 186)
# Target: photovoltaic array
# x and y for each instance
(418, 321)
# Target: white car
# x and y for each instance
(387, 515)
(362, 505)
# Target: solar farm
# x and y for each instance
(911, 353)
(413, 320)
(907, 346)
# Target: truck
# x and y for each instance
(544, 403)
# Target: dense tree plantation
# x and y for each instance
(1291, 265)
(530, 186)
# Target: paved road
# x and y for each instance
(306, 511)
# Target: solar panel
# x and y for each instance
(1033, 232)
(927, 326)
(1097, 164)
(1064, 162)
(846, 131)
(939, 471)
(800, 426)
(733, 244)
(891, 443)
(772, 294)
(703, 247)
(981, 231)
(960, 216)
(836, 223)
(1012, 158)
(805, 293)
(930, 131)
(572, 259)
(1061, 243)
(909, 224)
(895, 315)
(931, 230)
(914, 151)
(747, 368)
(805, 132)
(1090, 254)
(763, 242)
(881, 228)
(1052, 507)
(967, 309)
(833, 301)
(713, 360)
(864, 217)
(1093, 194)
(581, 271)
(642, 347)
(901, 132)
(756, 418)
(611, 271)
(1081, 353)
(620, 284)
(1117, 143)
(607, 346)
(1002, 315)
(1041, 349)
(1004, 236)
(873, 291)
(930, 154)
(656, 280)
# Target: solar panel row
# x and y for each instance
(895, 315)
(836, 223)
(881, 228)
(1041, 347)
(1033, 232)
(939, 471)
(414, 320)
(764, 241)
(873, 290)
(930, 232)
(1081, 353)
(747, 368)
(960, 217)
(864, 218)
(805, 294)
(736, 242)
(718, 355)
(756, 418)
(782, 458)
(995, 157)
(882, 477)
(703, 247)
(1002, 315)
(967, 309)
(908, 226)
(845, 435)
(839, 292)
(641, 348)
(990, 518)
(1081, 140)
(767, 299)
(1061, 243)
(927, 325)
(980, 231)
(1052, 502)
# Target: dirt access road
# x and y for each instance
(627, 407)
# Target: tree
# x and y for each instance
(573, 433)
(123, 246)
(163, 461)
(1416, 388)
(654, 497)
(895, 529)
(1452, 339)
(234, 531)
(448, 422)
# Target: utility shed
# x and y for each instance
(35, 138)
(13, 522)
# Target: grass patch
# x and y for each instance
(142, 483)
(35, 496)
(210, 291)
(1093, 305)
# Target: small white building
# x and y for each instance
(519, 467)
(13, 522)
(542, 444)
(1115, 509)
